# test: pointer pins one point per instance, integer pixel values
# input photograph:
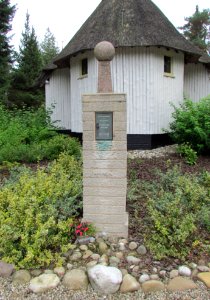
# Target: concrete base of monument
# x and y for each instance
(110, 225)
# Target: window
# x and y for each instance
(84, 66)
(167, 64)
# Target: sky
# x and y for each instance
(65, 17)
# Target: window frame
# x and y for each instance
(169, 72)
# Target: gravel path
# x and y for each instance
(10, 292)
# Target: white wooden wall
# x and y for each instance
(196, 81)
(81, 85)
(57, 93)
(138, 72)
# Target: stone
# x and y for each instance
(104, 51)
(163, 273)
(114, 261)
(132, 245)
(36, 272)
(83, 240)
(60, 271)
(69, 266)
(193, 265)
(133, 260)
(48, 271)
(119, 255)
(75, 280)
(121, 246)
(44, 283)
(21, 277)
(205, 278)
(152, 286)
(104, 259)
(129, 284)
(154, 277)
(203, 268)
(181, 284)
(6, 269)
(143, 278)
(83, 247)
(87, 254)
(141, 250)
(105, 280)
(184, 271)
(95, 256)
(103, 247)
(136, 269)
(75, 256)
(194, 273)
(155, 270)
(173, 274)
(91, 264)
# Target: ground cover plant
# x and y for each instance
(28, 135)
(37, 211)
(169, 203)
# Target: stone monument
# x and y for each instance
(105, 151)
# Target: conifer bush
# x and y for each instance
(37, 209)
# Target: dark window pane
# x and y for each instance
(167, 64)
(84, 66)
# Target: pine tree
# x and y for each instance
(29, 65)
(6, 15)
(197, 28)
(48, 48)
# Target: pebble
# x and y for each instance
(142, 250)
(132, 245)
(129, 272)
(184, 271)
(143, 278)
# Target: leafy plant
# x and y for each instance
(192, 124)
(34, 226)
(188, 153)
(28, 136)
(173, 213)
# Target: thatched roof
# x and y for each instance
(126, 23)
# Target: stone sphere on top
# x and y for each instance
(104, 51)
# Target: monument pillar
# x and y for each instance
(105, 152)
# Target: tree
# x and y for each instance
(29, 65)
(6, 15)
(197, 28)
(48, 48)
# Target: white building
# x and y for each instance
(154, 65)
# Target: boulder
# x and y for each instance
(129, 284)
(75, 280)
(21, 277)
(205, 278)
(152, 286)
(181, 284)
(6, 270)
(105, 280)
(44, 283)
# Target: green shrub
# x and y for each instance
(28, 135)
(36, 213)
(174, 213)
(192, 125)
(188, 153)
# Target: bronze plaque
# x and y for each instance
(104, 126)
